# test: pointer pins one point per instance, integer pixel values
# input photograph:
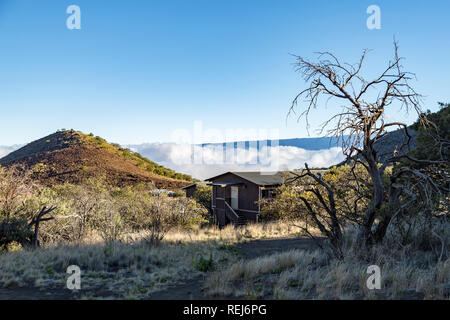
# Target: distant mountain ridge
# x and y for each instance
(319, 143)
(392, 143)
(71, 156)
(385, 146)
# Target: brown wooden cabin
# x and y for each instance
(235, 195)
(190, 189)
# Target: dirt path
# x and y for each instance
(193, 289)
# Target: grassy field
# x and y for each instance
(258, 261)
(406, 273)
(299, 274)
(132, 269)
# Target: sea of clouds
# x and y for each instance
(203, 162)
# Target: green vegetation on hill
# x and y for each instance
(432, 143)
(432, 140)
(137, 158)
(125, 153)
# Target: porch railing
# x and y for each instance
(229, 211)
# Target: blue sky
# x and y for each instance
(139, 70)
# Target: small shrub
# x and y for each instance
(13, 231)
(204, 265)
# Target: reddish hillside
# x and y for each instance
(71, 156)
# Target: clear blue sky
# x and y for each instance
(138, 70)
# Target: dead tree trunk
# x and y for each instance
(34, 241)
(365, 235)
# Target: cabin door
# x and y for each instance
(234, 197)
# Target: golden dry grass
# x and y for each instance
(228, 235)
(231, 234)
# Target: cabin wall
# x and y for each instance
(248, 193)
(190, 191)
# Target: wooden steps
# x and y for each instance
(241, 221)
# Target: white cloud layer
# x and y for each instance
(208, 161)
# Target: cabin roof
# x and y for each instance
(199, 183)
(189, 185)
(260, 178)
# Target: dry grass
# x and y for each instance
(301, 274)
(212, 234)
(132, 269)
(123, 270)
(231, 234)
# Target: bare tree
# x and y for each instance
(155, 215)
(327, 223)
(358, 126)
(18, 223)
(35, 223)
(16, 186)
(85, 202)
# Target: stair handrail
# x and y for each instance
(232, 210)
